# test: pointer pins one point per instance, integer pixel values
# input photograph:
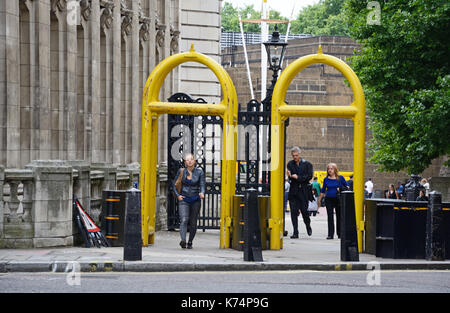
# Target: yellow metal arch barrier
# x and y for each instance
(281, 111)
(152, 107)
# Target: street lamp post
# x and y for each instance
(275, 53)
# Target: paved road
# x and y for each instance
(231, 282)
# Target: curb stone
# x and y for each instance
(139, 266)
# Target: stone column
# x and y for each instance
(116, 81)
(42, 89)
(135, 126)
(2, 209)
(2, 82)
(70, 104)
(107, 108)
(52, 203)
(95, 81)
(11, 69)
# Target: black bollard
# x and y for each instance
(435, 240)
(113, 216)
(132, 241)
(252, 231)
(349, 236)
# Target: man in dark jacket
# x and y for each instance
(300, 173)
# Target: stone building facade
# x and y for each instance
(72, 74)
(322, 140)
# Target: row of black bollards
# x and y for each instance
(130, 233)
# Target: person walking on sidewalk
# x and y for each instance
(189, 194)
(369, 187)
(332, 185)
(300, 173)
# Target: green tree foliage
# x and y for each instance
(404, 67)
(230, 18)
(323, 18)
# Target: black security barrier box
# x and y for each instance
(398, 229)
(446, 221)
(238, 224)
(113, 216)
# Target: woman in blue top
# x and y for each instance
(332, 184)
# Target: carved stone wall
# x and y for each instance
(72, 74)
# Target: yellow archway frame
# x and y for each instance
(152, 107)
(281, 111)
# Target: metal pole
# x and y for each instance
(246, 57)
(264, 38)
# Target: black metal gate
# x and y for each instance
(202, 136)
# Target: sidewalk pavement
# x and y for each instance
(306, 253)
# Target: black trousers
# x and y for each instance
(297, 206)
(330, 204)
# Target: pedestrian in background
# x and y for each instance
(350, 183)
(332, 185)
(400, 189)
(422, 196)
(286, 192)
(392, 193)
(316, 185)
(425, 185)
(300, 173)
(369, 186)
(313, 207)
(189, 188)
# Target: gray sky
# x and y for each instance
(282, 6)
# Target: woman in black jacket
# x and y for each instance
(192, 191)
